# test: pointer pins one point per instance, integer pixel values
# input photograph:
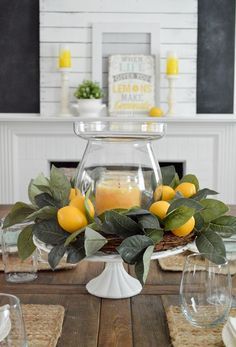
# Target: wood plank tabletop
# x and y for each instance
(90, 321)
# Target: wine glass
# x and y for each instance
(205, 290)
(12, 328)
(231, 256)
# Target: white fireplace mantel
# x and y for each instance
(206, 144)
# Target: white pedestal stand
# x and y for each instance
(171, 94)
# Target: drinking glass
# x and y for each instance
(231, 256)
(16, 270)
(205, 290)
(12, 328)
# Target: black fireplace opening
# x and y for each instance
(70, 166)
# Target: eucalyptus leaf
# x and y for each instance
(73, 236)
(149, 221)
(184, 202)
(18, 214)
(44, 199)
(93, 241)
(224, 225)
(132, 247)
(212, 209)
(50, 232)
(142, 265)
(156, 235)
(60, 186)
(211, 243)
(203, 193)
(120, 224)
(168, 174)
(178, 217)
(191, 179)
(55, 255)
(25, 242)
(46, 212)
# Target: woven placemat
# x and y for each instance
(43, 324)
(176, 263)
(183, 334)
(42, 266)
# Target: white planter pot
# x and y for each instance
(90, 107)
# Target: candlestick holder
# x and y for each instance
(65, 99)
(171, 94)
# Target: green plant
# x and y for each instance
(138, 230)
(88, 90)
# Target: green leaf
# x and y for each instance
(33, 188)
(120, 224)
(73, 236)
(142, 265)
(46, 212)
(149, 221)
(168, 174)
(75, 255)
(203, 193)
(18, 214)
(86, 206)
(44, 199)
(191, 179)
(132, 247)
(136, 211)
(25, 242)
(212, 209)
(55, 255)
(50, 232)
(212, 244)
(44, 189)
(184, 202)
(155, 235)
(93, 241)
(224, 225)
(199, 222)
(175, 182)
(178, 217)
(60, 186)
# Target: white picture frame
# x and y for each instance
(99, 29)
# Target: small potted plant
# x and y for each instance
(89, 95)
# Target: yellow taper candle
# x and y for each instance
(172, 64)
(64, 57)
(116, 192)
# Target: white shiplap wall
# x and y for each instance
(71, 22)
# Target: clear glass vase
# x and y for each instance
(119, 165)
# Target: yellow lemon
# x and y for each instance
(73, 193)
(186, 188)
(159, 208)
(167, 193)
(185, 229)
(157, 193)
(71, 218)
(156, 112)
(78, 202)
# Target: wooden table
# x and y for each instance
(90, 321)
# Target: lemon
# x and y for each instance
(185, 229)
(156, 112)
(73, 193)
(159, 208)
(71, 218)
(167, 193)
(78, 202)
(186, 188)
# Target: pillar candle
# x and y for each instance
(64, 57)
(116, 193)
(172, 64)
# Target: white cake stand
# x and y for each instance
(114, 282)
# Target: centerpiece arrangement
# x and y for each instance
(120, 204)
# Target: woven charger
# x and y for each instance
(176, 263)
(43, 324)
(183, 334)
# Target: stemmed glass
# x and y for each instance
(205, 290)
(12, 328)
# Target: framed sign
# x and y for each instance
(131, 83)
